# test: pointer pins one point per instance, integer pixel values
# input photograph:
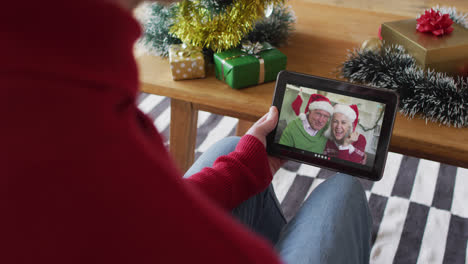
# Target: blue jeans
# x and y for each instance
(332, 226)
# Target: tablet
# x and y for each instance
(332, 124)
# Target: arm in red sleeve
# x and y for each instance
(360, 143)
(90, 180)
(235, 177)
(360, 147)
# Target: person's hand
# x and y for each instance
(264, 125)
(261, 129)
(353, 137)
(364, 159)
(275, 164)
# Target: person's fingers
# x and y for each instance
(262, 119)
(264, 125)
(266, 115)
(275, 164)
(267, 121)
(260, 130)
(267, 125)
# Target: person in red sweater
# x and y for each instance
(344, 141)
(85, 177)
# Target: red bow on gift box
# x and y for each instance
(434, 22)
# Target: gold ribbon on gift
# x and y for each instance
(187, 62)
(250, 49)
(185, 50)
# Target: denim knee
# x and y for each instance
(350, 188)
(229, 142)
(220, 148)
(347, 183)
(333, 225)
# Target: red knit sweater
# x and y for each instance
(357, 156)
(84, 176)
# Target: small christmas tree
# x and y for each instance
(217, 25)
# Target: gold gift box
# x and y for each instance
(447, 53)
(186, 62)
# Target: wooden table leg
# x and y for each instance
(242, 127)
(183, 131)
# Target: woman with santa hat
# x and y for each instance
(344, 142)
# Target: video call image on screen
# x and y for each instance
(331, 126)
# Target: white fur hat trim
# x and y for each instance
(345, 110)
(302, 116)
(322, 105)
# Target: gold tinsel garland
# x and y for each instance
(199, 27)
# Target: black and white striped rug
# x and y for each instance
(419, 208)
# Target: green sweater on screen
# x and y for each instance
(294, 135)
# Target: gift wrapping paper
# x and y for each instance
(447, 53)
(240, 69)
(186, 62)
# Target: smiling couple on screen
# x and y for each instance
(327, 129)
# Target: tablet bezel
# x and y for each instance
(388, 97)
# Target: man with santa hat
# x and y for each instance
(307, 131)
(344, 141)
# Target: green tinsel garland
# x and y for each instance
(433, 95)
(215, 6)
(156, 36)
(459, 18)
(276, 28)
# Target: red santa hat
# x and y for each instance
(317, 101)
(350, 111)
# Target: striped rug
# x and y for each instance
(419, 208)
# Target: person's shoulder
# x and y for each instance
(298, 121)
(362, 139)
(295, 122)
(361, 142)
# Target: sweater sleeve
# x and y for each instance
(360, 146)
(91, 181)
(287, 138)
(361, 143)
(235, 177)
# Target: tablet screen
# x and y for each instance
(330, 126)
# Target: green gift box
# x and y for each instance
(252, 64)
(447, 53)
